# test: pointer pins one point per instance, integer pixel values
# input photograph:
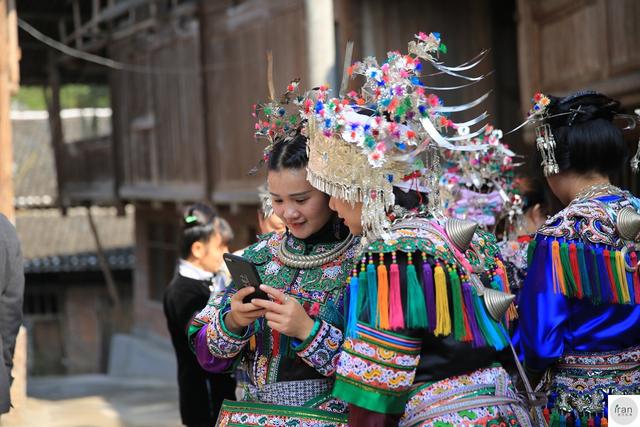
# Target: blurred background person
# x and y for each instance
(200, 272)
(11, 295)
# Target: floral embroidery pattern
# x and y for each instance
(253, 414)
(322, 352)
(220, 343)
(488, 381)
(385, 368)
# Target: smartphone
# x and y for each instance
(244, 273)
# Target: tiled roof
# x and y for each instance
(53, 243)
(35, 175)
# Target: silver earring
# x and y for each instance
(635, 160)
(546, 145)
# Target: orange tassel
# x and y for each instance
(559, 285)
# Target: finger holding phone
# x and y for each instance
(242, 314)
(285, 314)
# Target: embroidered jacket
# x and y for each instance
(269, 356)
(411, 294)
(578, 296)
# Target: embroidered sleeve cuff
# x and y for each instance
(222, 342)
(321, 348)
(376, 370)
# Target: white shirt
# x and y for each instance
(219, 281)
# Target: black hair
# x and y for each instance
(199, 222)
(289, 153)
(411, 199)
(586, 137)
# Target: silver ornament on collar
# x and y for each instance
(461, 232)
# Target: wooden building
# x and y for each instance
(68, 312)
(184, 74)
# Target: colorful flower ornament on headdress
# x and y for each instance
(278, 120)
(480, 185)
(364, 143)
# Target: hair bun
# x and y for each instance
(197, 214)
(582, 106)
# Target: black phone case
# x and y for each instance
(244, 273)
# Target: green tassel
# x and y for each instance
(488, 326)
(456, 299)
(531, 250)
(416, 307)
(584, 274)
(572, 288)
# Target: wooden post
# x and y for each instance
(321, 42)
(104, 264)
(77, 23)
(6, 146)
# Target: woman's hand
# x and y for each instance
(242, 315)
(285, 314)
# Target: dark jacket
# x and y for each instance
(11, 297)
(201, 393)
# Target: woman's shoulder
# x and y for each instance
(266, 246)
(460, 244)
(591, 221)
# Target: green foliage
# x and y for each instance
(71, 96)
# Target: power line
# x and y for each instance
(113, 64)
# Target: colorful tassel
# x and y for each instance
(252, 343)
(629, 278)
(622, 278)
(429, 292)
(352, 318)
(575, 269)
(416, 309)
(584, 275)
(636, 280)
(556, 266)
(476, 332)
(363, 302)
(456, 300)
(372, 291)
(604, 276)
(443, 320)
(487, 325)
(594, 275)
(396, 315)
(571, 289)
(502, 272)
(611, 272)
(383, 294)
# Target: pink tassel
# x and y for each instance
(396, 316)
